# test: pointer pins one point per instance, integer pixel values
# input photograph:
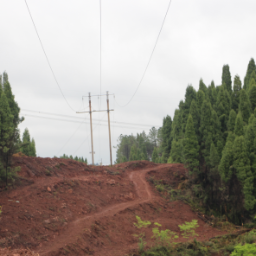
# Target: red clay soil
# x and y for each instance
(62, 207)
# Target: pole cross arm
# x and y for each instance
(94, 111)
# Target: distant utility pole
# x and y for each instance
(90, 111)
(109, 132)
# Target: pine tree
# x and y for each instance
(212, 94)
(252, 96)
(244, 105)
(200, 97)
(177, 151)
(214, 157)
(26, 143)
(236, 93)
(206, 131)
(191, 147)
(166, 132)
(202, 86)
(225, 167)
(231, 120)
(251, 67)
(33, 148)
(155, 156)
(243, 171)
(239, 125)
(226, 78)
(195, 116)
(6, 131)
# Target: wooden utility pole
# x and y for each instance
(90, 108)
(90, 112)
(109, 132)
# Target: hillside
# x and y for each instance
(62, 207)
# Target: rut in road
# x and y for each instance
(70, 235)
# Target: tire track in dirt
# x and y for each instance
(70, 235)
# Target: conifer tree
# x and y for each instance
(33, 148)
(26, 147)
(251, 67)
(226, 78)
(252, 96)
(155, 156)
(200, 97)
(231, 120)
(239, 125)
(166, 133)
(243, 171)
(176, 132)
(191, 147)
(214, 157)
(212, 94)
(195, 116)
(244, 106)
(202, 86)
(177, 151)
(225, 167)
(236, 93)
(206, 131)
(6, 131)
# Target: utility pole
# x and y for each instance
(90, 112)
(90, 107)
(109, 132)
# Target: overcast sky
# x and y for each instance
(197, 39)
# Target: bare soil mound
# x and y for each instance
(62, 207)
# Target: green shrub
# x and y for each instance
(141, 223)
(244, 250)
(188, 229)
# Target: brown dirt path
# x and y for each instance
(70, 235)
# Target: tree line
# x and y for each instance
(10, 142)
(76, 158)
(213, 132)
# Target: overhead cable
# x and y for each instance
(48, 61)
(151, 55)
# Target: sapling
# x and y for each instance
(163, 237)
(141, 223)
(188, 229)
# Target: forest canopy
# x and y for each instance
(213, 132)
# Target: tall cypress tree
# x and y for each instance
(251, 67)
(191, 147)
(225, 167)
(244, 105)
(6, 131)
(195, 116)
(226, 78)
(212, 94)
(200, 97)
(243, 171)
(155, 155)
(236, 92)
(166, 133)
(205, 131)
(202, 86)
(231, 120)
(252, 96)
(239, 125)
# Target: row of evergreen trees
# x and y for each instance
(10, 142)
(76, 158)
(139, 147)
(213, 132)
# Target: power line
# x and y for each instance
(81, 118)
(48, 61)
(71, 121)
(70, 137)
(151, 55)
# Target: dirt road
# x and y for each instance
(143, 191)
